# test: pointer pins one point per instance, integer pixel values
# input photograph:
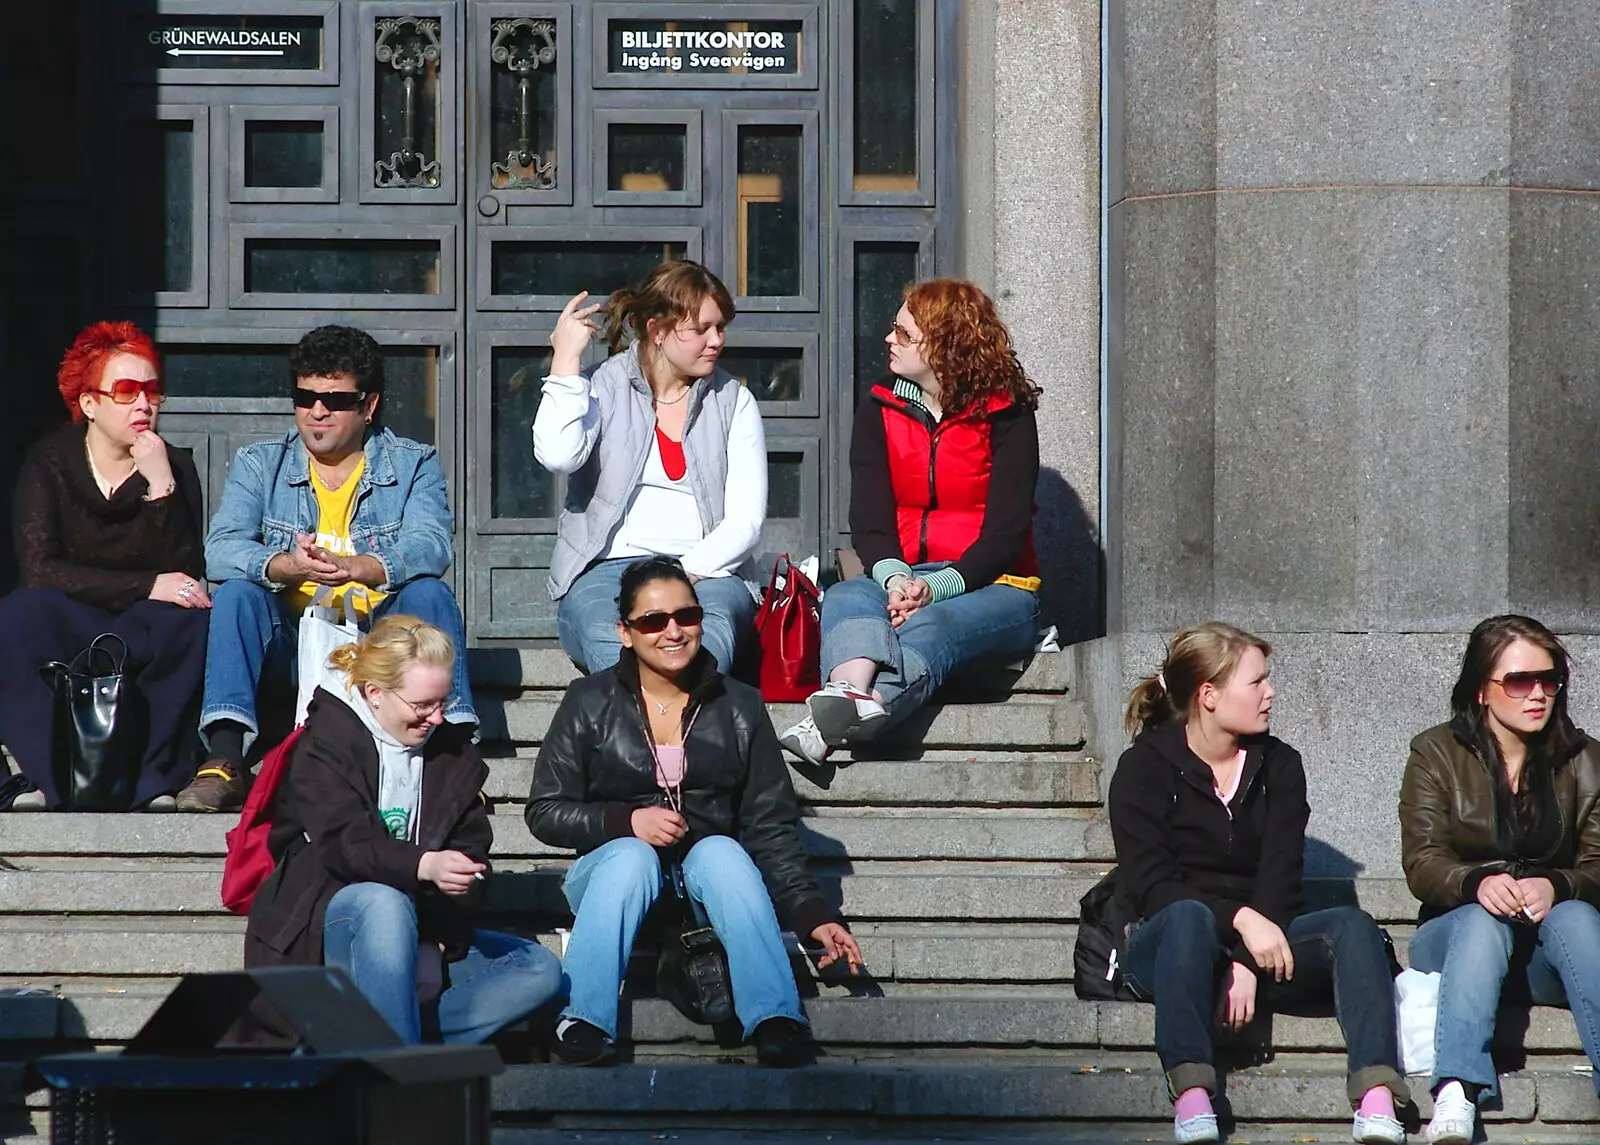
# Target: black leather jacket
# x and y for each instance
(595, 769)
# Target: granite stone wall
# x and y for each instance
(1353, 323)
(1031, 236)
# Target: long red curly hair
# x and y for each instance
(967, 346)
(83, 364)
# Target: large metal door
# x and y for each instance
(445, 174)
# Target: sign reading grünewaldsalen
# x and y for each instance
(225, 41)
(699, 47)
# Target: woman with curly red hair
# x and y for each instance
(943, 461)
(108, 522)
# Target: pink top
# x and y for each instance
(669, 764)
(1233, 784)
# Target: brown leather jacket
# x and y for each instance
(1448, 842)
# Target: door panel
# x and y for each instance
(445, 173)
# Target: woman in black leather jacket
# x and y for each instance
(662, 758)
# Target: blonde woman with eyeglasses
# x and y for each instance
(381, 841)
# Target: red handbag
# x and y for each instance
(789, 627)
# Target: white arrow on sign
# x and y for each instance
(224, 51)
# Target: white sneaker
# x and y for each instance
(29, 801)
(841, 711)
(1200, 1127)
(803, 740)
(1454, 1117)
(1378, 1129)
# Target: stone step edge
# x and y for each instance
(549, 668)
(1051, 1017)
(926, 1089)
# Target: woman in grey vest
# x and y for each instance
(665, 454)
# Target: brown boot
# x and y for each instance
(217, 786)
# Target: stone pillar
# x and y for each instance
(1354, 391)
(1031, 182)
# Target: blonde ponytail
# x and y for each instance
(1204, 654)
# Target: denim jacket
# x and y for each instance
(401, 516)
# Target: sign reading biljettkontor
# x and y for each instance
(226, 42)
(699, 47)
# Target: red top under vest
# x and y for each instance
(671, 456)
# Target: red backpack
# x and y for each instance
(249, 862)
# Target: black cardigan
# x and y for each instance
(1176, 841)
(104, 553)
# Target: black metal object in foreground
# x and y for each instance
(351, 1082)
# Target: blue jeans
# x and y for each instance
(586, 618)
(1176, 959)
(253, 633)
(612, 887)
(995, 622)
(1477, 953)
(370, 932)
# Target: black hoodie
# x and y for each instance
(1175, 840)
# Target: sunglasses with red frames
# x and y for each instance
(339, 401)
(1519, 685)
(125, 391)
(689, 616)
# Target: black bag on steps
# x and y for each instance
(692, 970)
(1104, 915)
(95, 743)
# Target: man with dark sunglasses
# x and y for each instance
(337, 502)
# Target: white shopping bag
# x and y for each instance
(324, 626)
(1416, 1007)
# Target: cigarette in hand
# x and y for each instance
(478, 875)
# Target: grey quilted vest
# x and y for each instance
(599, 492)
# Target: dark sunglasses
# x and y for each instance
(1519, 685)
(689, 616)
(339, 401)
(125, 391)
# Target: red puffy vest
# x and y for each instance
(940, 475)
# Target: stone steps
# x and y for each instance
(502, 669)
(827, 831)
(947, 889)
(919, 1017)
(1026, 721)
(1100, 1087)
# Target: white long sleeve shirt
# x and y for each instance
(662, 517)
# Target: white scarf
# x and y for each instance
(399, 774)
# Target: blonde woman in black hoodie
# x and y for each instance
(1209, 813)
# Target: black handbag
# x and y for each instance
(95, 744)
(692, 970)
(1104, 916)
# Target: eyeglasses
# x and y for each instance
(902, 335)
(423, 711)
(339, 401)
(1519, 685)
(125, 391)
(689, 616)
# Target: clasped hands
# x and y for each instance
(309, 561)
(906, 595)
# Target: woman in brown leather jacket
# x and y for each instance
(1501, 844)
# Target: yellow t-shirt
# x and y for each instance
(335, 507)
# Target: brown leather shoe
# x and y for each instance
(217, 786)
